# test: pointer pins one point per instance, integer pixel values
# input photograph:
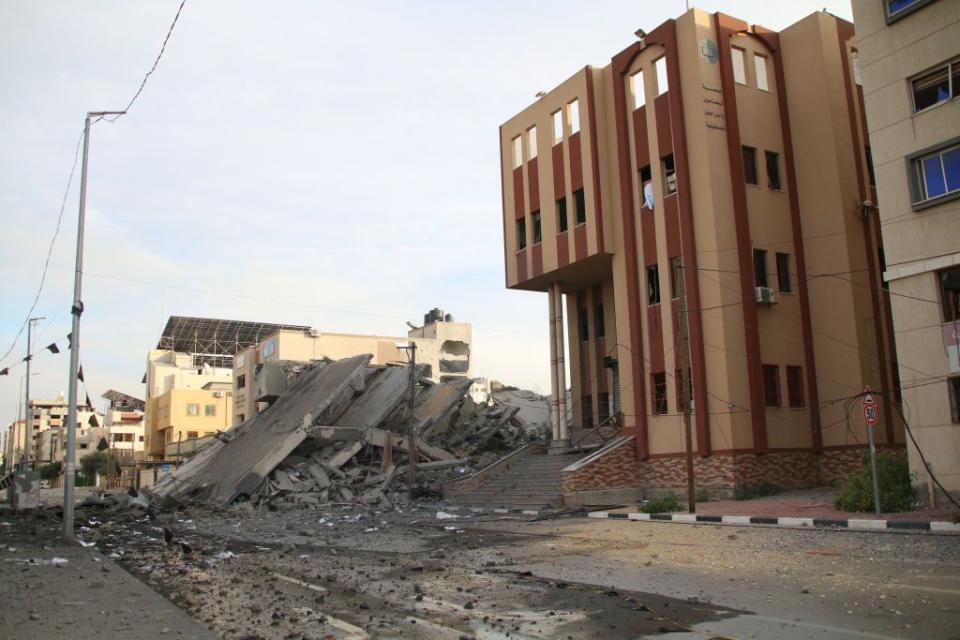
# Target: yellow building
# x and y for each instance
(181, 417)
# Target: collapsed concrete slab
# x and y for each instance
(237, 464)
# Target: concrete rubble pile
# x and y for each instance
(339, 434)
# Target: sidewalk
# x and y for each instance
(52, 590)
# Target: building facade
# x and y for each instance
(124, 421)
(710, 179)
(48, 427)
(909, 58)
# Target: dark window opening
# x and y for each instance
(783, 272)
(950, 294)
(795, 386)
(599, 328)
(587, 411)
(658, 382)
(603, 410)
(562, 214)
(583, 324)
(750, 165)
(521, 234)
(936, 86)
(771, 385)
(675, 275)
(646, 184)
(773, 170)
(537, 228)
(241, 381)
(581, 206)
(669, 175)
(653, 285)
(871, 175)
(760, 267)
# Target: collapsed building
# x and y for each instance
(342, 431)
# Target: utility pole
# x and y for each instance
(77, 309)
(31, 323)
(685, 384)
(411, 426)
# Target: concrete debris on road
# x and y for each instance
(339, 434)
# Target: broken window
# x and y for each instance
(760, 267)
(573, 115)
(521, 234)
(653, 285)
(583, 324)
(658, 383)
(750, 165)
(771, 385)
(636, 89)
(537, 230)
(193, 409)
(783, 272)
(598, 323)
(795, 386)
(661, 68)
(773, 169)
(669, 175)
(209, 410)
(532, 143)
(760, 64)
(936, 86)
(562, 214)
(587, 411)
(738, 57)
(581, 206)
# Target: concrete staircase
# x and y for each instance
(532, 482)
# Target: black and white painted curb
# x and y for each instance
(852, 524)
(499, 510)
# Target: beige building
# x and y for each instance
(909, 62)
(720, 167)
(13, 443)
(124, 421)
(48, 427)
(442, 345)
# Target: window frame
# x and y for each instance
(751, 152)
(948, 300)
(783, 272)
(668, 173)
(760, 62)
(904, 12)
(796, 393)
(209, 410)
(659, 403)
(771, 373)
(917, 178)
(193, 409)
(773, 156)
(739, 54)
(653, 285)
(952, 67)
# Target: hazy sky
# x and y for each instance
(333, 164)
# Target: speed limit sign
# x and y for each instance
(870, 414)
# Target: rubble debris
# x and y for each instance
(339, 433)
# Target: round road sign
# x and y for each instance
(870, 415)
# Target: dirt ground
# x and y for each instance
(348, 572)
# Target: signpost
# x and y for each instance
(871, 416)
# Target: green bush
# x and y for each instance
(665, 504)
(761, 490)
(49, 471)
(893, 476)
(94, 463)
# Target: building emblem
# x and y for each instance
(709, 51)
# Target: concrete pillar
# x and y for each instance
(564, 439)
(554, 382)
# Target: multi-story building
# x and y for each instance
(720, 167)
(124, 421)
(909, 59)
(13, 443)
(443, 346)
(48, 427)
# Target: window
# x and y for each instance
(537, 229)
(750, 165)
(783, 272)
(557, 117)
(517, 152)
(937, 174)
(192, 435)
(209, 410)
(604, 409)
(118, 437)
(599, 328)
(669, 175)
(581, 206)
(771, 385)
(739, 65)
(760, 267)
(532, 143)
(773, 170)
(895, 8)
(953, 388)
(675, 275)
(857, 73)
(140, 438)
(193, 409)
(583, 324)
(521, 234)
(935, 86)
(658, 382)
(207, 434)
(241, 381)
(678, 379)
(573, 115)
(653, 285)
(562, 214)
(646, 180)
(636, 89)
(661, 69)
(586, 409)
(795, 387)
(950, 294)
(760, 65)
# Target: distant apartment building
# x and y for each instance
(189, 381)
(909, 61)
(13, 443)
(124, 421)
(48, 427)
(721, 167)
(443, 346)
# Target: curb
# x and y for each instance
(791, 522)
(501, 511)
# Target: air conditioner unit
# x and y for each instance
(766, 295)
(218, 394)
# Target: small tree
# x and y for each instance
(50, 471)
(94, 463)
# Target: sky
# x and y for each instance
(332, 164)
